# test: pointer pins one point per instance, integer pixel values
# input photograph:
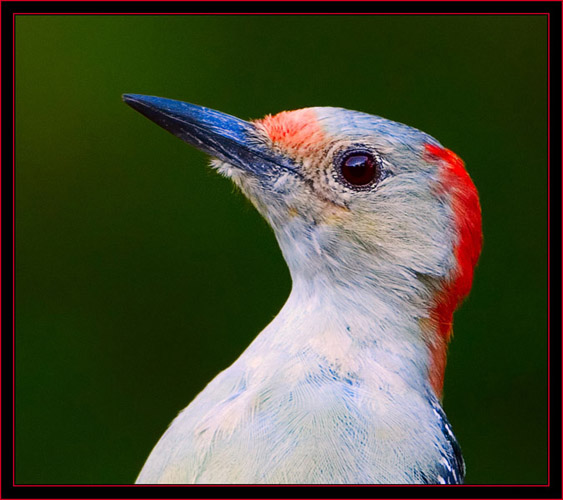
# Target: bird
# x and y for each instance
(380, 227)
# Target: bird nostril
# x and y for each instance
(359, 169)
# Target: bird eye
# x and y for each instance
(359, 168)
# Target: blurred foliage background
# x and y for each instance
(140, 274)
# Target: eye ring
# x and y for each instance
(358, 169)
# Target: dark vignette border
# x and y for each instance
(9, 8)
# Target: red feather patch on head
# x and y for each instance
(296, 132)
(467, 218)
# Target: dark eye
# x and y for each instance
(359, 168)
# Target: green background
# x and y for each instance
(140, 273)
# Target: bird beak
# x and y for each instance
(223, 136)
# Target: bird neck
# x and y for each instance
(347, 331)
(351, 302)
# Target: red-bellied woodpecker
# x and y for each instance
(381, 229)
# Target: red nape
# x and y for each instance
(467, 218)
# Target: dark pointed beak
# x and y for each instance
(223, 136)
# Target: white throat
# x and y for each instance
(351, 332)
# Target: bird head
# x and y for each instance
(357, 202)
